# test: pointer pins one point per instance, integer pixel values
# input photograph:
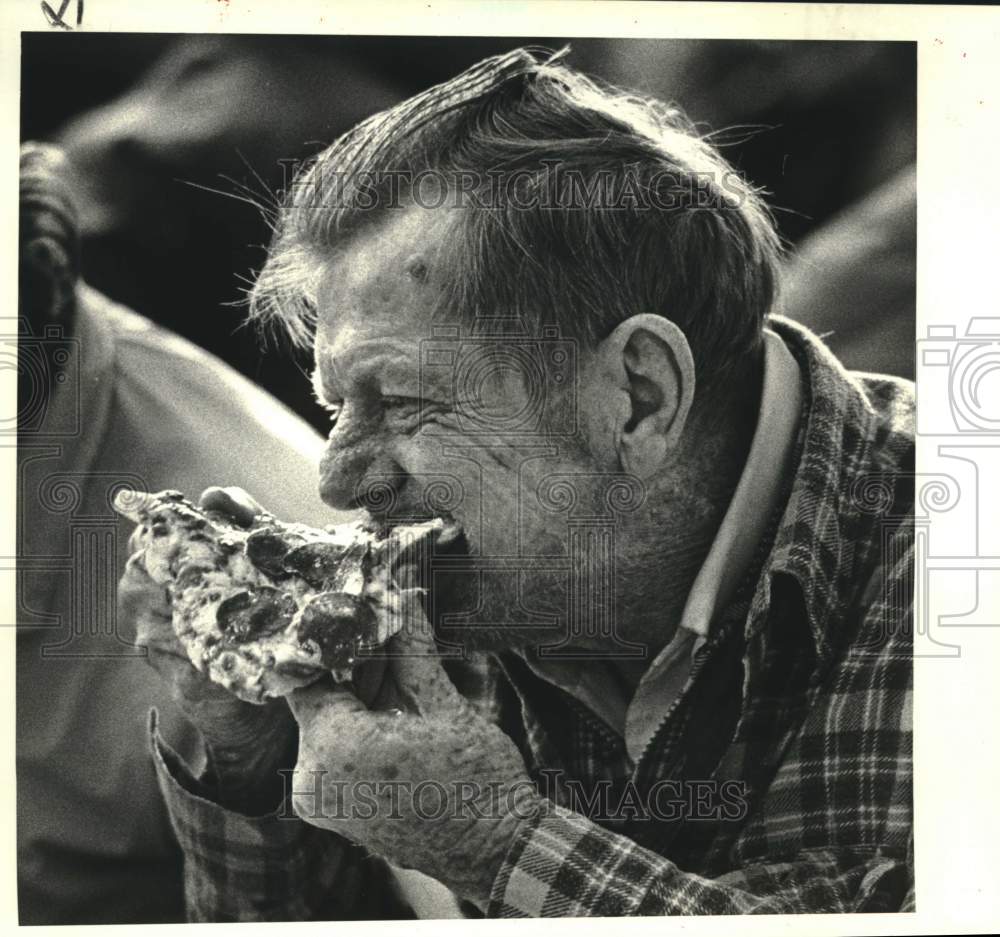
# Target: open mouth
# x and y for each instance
(448, 536)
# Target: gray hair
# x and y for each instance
(584, 205)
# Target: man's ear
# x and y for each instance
(648, 362)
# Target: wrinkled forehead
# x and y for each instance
(385, 281)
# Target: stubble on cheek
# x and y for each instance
(513, 590)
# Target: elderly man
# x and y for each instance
(547, 308)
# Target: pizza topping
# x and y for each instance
(337, 623)
(326, 565)
(266, 549)
(191, 576)
(254, 613)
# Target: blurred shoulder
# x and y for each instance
(185, 412)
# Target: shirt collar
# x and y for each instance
(757, 491)
(825, 507)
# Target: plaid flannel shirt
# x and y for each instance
(786, 759)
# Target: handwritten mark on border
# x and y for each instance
(56, 19)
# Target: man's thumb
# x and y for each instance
(322, 698)
(235, 502)
(415, 662)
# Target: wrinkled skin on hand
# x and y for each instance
(359, 771)
(248, 745)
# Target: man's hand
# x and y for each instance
(248, 745)
(433, 787)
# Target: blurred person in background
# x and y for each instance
(106, 398)
(854, 280)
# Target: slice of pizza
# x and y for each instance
(268, 608)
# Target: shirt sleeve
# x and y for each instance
(274, 867)
(562, 864)
(859, 734)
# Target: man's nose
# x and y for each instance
(337, 482)
(371, 481)
(379, 487)
(357, 470)
(349, 453)
(343, 471)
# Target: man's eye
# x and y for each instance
(405, 413)
(399, 403)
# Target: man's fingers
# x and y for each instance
(323, 700)
(135, 565)
(232, 501)
(145, 606)
(139, 595)
(135, 545)
(415, 660)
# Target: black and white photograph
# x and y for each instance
(469, 476)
